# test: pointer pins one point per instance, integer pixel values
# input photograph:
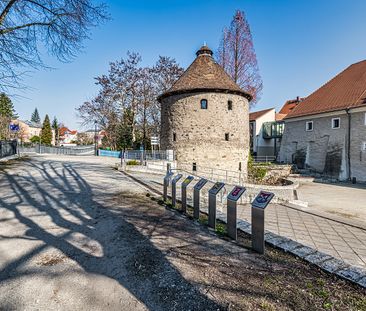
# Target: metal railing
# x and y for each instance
(267, 159)
(8, 148)
(78, 150)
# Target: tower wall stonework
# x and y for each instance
(200, 133)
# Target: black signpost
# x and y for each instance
(232, 202)
(184, 185)
(174, 188)
(258, 206)
(212, 203)
(166, 184)
(196, 197)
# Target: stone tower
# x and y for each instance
(205, 118)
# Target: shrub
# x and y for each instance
(255, 172)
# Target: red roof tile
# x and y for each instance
(346, 90)
(204, 74)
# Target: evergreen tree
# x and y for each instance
(46, 134)
(125, 131)
(55, 126)
(7, 113)
(35, 116)
(6, 107)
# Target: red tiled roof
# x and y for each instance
(204, 74)
(280, 116)
(290, 105)
(257, 114)
(62, 130)
(346, 90)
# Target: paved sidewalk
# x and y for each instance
(342, 241)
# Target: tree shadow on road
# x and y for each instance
(108, 246)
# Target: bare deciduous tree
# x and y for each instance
(127, 100)
(237, 56)
(27, 26)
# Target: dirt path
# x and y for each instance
(77, 235)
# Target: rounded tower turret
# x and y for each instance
(205, 118)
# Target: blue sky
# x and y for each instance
(300, 44)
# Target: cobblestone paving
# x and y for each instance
(336, 239)
(339, 240)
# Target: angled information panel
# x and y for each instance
(262, 199)
(177, 177)
(236, 193)
(201, 183)
(216, 188)
(187, 180)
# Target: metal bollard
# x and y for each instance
(212, 203)
(196, 197)
(258, 206)
(174, 188)
(166, 184)
(232, 203)
(184, 185)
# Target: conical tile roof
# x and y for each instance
(204, 74)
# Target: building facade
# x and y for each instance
(205, 118)
(327, 131)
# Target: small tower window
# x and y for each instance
(229, 105)
(203, 103)
(194, 167)
(227, 136)
(174, 137)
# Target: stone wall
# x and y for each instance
(325, 149)
(358, 137)
(200, 133)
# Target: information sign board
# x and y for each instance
(216, 188)
(262, 199)
(201, 183)
(236, 193)
(187, 180)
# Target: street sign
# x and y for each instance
(232, 202)
(201, 183)
(262, 199)
(155, 140)
(185, 183)
(236, 193)
(14, 127)
(258, 207)
(216, 188)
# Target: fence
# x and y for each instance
(264, 159)
(85, 150)
(140, 155)
(8, 148)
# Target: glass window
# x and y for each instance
(336, 123)
(203, 103)
(229, 105)
(309, 126)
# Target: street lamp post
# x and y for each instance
(95, 138)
